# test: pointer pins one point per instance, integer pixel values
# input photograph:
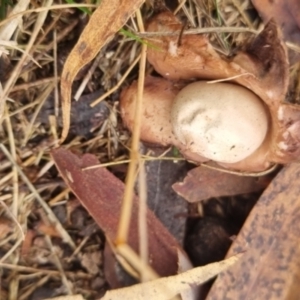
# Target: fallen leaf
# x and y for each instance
(101, 193)
(203, 183)
(108, 18)
(184, 264)
(270, 267)
(72, 297)
(166, 288)
(169, 208)
(286, 14)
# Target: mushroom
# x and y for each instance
(221, 121)
(244, 124)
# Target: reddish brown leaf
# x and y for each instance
(101, 193)
(286, 14)
(270, 267)
(203, 183)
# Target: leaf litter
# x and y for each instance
(36, 276)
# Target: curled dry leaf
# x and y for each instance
(202, 183)
(261, 67)
(108, 18)
(101, 193)
(270, 267)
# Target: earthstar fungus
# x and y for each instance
(268, 124)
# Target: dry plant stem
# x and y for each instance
(7, 240)
(135, 261)
(125, 161)
(26, 86)
(52, 218)
(7, 31)
(5, 178)
(228, 78)
(293, 47)
(124, 223)
(13, 287)
(45, 33)
(142, 222)
(118, 84)
(56, 92)
(60, 37)
(88, 76)
(59, 266)
(11, 250)
(53, 127)
(78, 249)
(14, 156)
(186, 12)
(45, 168)
(59, 197)
(46, 9)
(30, 276)
(15, 75)
(43, 271)
(251, 174)
(9, 45)
(180, 5)
(34, 287)
(5, 197)
(197, 31)
(13, 218)
(242, 12)
(42, 98)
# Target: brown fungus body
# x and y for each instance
(261, 67)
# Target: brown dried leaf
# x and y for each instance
(168, 206)
(169, 287)
(101, 193)
(286, 15)
(203, 183)
(109, 17)
(269, 268)
(72, 297)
